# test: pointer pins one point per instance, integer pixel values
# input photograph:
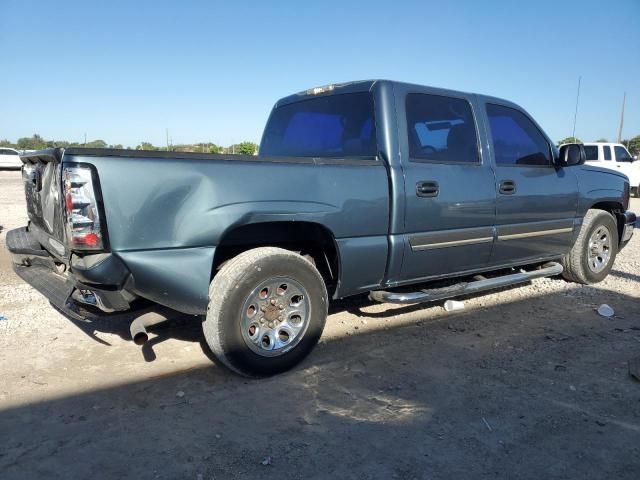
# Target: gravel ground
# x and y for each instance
(527, 382)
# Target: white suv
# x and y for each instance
(9, 158)
(615, 157)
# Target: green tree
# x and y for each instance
(634, 145)
(602, 140)
(246, 148)
(146, 146)
(35, 142)
(213, 148)
(117, 146)
(96, 144)
(569, 140)
(7, 143)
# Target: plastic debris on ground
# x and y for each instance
(453, 305)
(605, 310)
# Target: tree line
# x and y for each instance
(37, 142)
(633, 144)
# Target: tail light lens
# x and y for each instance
(626, 196)
(83, 216)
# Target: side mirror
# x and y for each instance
(571, 154)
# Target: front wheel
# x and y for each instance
(591, 257)
(267, 309)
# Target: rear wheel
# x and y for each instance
(267, 309)
(591, 257)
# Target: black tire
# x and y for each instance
(576, 262)
(228, 292)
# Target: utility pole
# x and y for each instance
(575, 115)
(85, 139)
(624, 99)
(166, 131)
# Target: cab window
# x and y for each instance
(516, 139)
(591, 152)
(441, 129)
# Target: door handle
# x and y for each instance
(427, 189)
(507, 187)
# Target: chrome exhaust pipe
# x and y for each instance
(139, 326)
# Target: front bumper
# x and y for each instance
(628, 227)
(95, 280)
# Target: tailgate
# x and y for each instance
(41, 176)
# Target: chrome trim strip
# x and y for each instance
(452, 243)
(537, 233)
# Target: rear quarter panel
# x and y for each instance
(183, 207)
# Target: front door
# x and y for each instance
(536, 202)
(450, 195)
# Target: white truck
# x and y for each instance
(616, 157)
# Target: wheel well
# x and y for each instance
(309, 239)
(617, 210)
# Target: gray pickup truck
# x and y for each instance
(364, 187)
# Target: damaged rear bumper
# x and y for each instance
(96, 280)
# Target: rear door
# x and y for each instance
(450, 195)
(536, 203)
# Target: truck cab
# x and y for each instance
(615, 156)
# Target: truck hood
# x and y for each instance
(607, 171)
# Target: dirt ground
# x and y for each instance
(525, 383)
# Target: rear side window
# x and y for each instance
(330, 126)
(516, 139)
(622, 155)
(607, 152)
(441, 129)
(591, 152)
(7, 152)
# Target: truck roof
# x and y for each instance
(368, 85)
(613, 144)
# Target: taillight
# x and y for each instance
(83, 216)
(626, 195)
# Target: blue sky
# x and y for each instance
(124, 71)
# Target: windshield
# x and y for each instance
(622, 155)
(330, 126)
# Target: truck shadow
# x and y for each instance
(188, 327)
(522, 389)
(181, 327)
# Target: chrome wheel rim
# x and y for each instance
(599, 250)
(275, 316)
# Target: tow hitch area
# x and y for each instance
(431, 295)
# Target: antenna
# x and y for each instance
(575, 115)
(624, 99)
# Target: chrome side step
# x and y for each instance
(465, 288)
